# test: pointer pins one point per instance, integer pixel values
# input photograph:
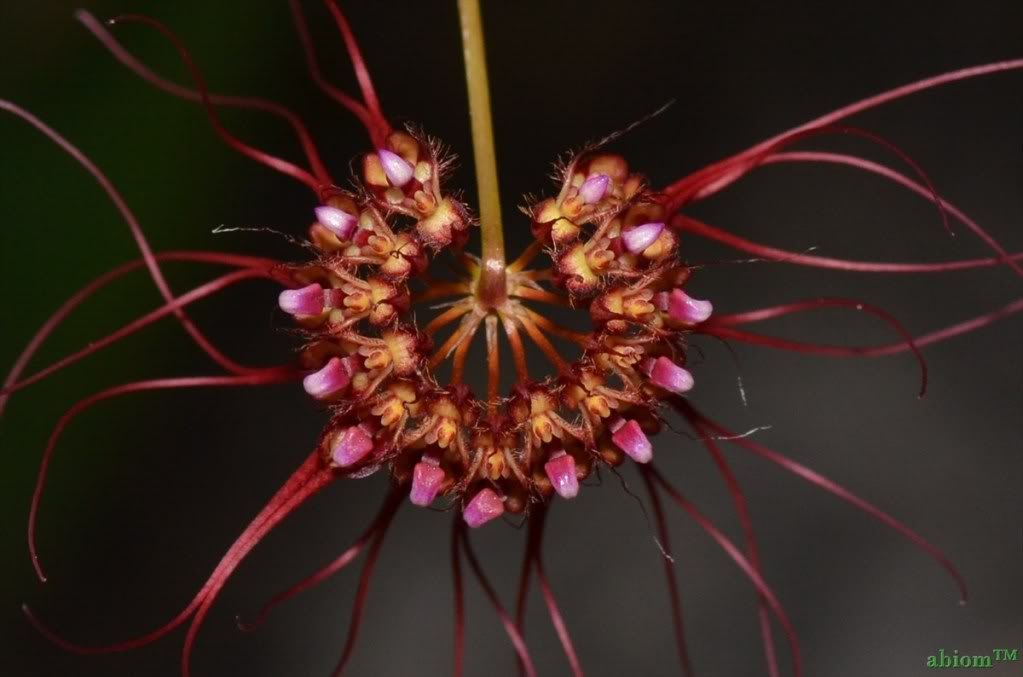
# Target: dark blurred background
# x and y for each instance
(148, 491)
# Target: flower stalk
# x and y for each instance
(491, 289)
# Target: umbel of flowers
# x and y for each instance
(612, 253)
(395, 405)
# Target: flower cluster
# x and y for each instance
(370, 363)
(613, 244)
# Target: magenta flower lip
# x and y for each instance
(630, 438)
(427, 478)
(560, 470)
(484, 507)
(640, 237)
(351, 446)
(398, 171)
(594, 188)
(337, 221)
(670, 376)
(684, 308)
(308, 300)
(332, 378)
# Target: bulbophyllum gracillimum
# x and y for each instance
(384, 331)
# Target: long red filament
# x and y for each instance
(701, 191)
(560, 628)
(365, 577)
(369, 94)
(664, 539)
(509, 625)
(747, 568)
(262, 157)
(951, 331)
(537, 519)
(136, 231)
(266, 378)
(749, 536)
(902, 180)
(356, 108)
(902, 92)
(76, 299)
(715, 176)
(459, 598)
(921, 341)
(133, 64)
(219, 579)
(712, 325)
(828, 485)
(380, 523)
(691, 225)
(557, 621)
(202, 291)
(309, 478)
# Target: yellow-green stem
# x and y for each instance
(491, 290)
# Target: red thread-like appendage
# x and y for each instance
(309, 478)
(664, 539)
(256, 379)
(509, 625)
(747, 568)
(714, 325)
(262, 157)
(76, 299)
(691, 225)
(905, 182)
(828, 485)
(377, 133)
(175, 304)
(136, 231)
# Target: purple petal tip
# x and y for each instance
(560, 471)
(668, 375)
(337, 221)
(351, 446)
(398, 171)
(332, 378)
(684, 308)
(594, 188)
(427, 478)
(633, 441)
(640, 237)
(305, 301)
(485, 506)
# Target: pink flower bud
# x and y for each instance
(640, 237)
(427, 477)
(351, 446)
(628, 437)
(668, 375)
(594, 188)
(332, 378)
(305, 301)
(337, 221)
(485, 506)
(560, 471)
(398, 171)
(686, 309)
